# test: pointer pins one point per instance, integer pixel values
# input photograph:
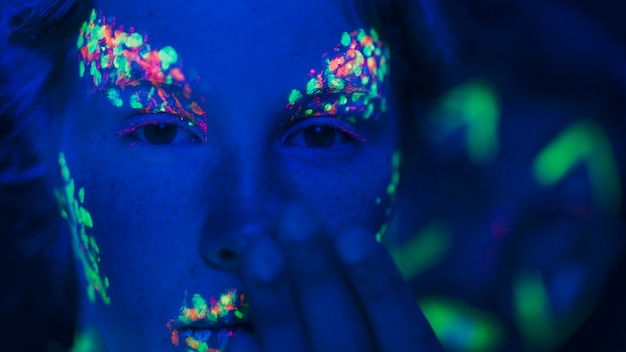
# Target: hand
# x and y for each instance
(309, 291)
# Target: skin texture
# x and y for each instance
(254, 208)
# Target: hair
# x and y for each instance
(36, 37)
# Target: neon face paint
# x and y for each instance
(193, 321)
(124, 65)
(350, 83)
(84, 245)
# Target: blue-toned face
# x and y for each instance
(193, 126)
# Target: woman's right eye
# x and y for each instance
(168, 131)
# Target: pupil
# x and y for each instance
(319, 136)
(160, 133)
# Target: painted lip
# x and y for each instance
(203, 319)
(226, 321)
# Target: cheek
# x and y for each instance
(353, 193)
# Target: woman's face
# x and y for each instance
(193, 125)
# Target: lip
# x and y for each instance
(211, 322)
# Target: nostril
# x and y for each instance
(226, 255)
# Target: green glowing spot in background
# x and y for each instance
(114, 97)
(84, 246)
(532, 311)
(425, 249)
(460, 327)
(583, 142)
(474, 106)
(294, 96)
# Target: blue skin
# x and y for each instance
(295, 219)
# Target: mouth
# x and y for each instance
(208, 325)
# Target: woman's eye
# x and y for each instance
(322, 133)
(320, 137)
(163, 133)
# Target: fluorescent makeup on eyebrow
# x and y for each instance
(350, 82)
(123, 64)
(192, 323)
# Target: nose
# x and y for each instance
(241, 207)
(225, 241)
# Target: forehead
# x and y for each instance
(238, 35)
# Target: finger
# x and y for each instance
(391, 308)
(332, 316)
(272, 304)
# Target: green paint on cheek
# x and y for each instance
(391, 191)
(84, 246)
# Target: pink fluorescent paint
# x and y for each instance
(228, 309)
(124, 65)
(350, 84)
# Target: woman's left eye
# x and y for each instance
(318, 134)
(320, 137)
(163, 133)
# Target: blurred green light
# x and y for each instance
(473, 105)
(583, 142)
(460, 327)
(424, 250)
(533, 315)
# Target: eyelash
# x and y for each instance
(138, 122)
(347, 129)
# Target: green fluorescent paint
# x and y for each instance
(118, 60)
(425, 249)
(114, 97)
(352, 77)
(345, 39)
(583, 142)
(203, 310)
(85, 247)
(460, 327)
(474, 106)
(392, 189)
(295, 96)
